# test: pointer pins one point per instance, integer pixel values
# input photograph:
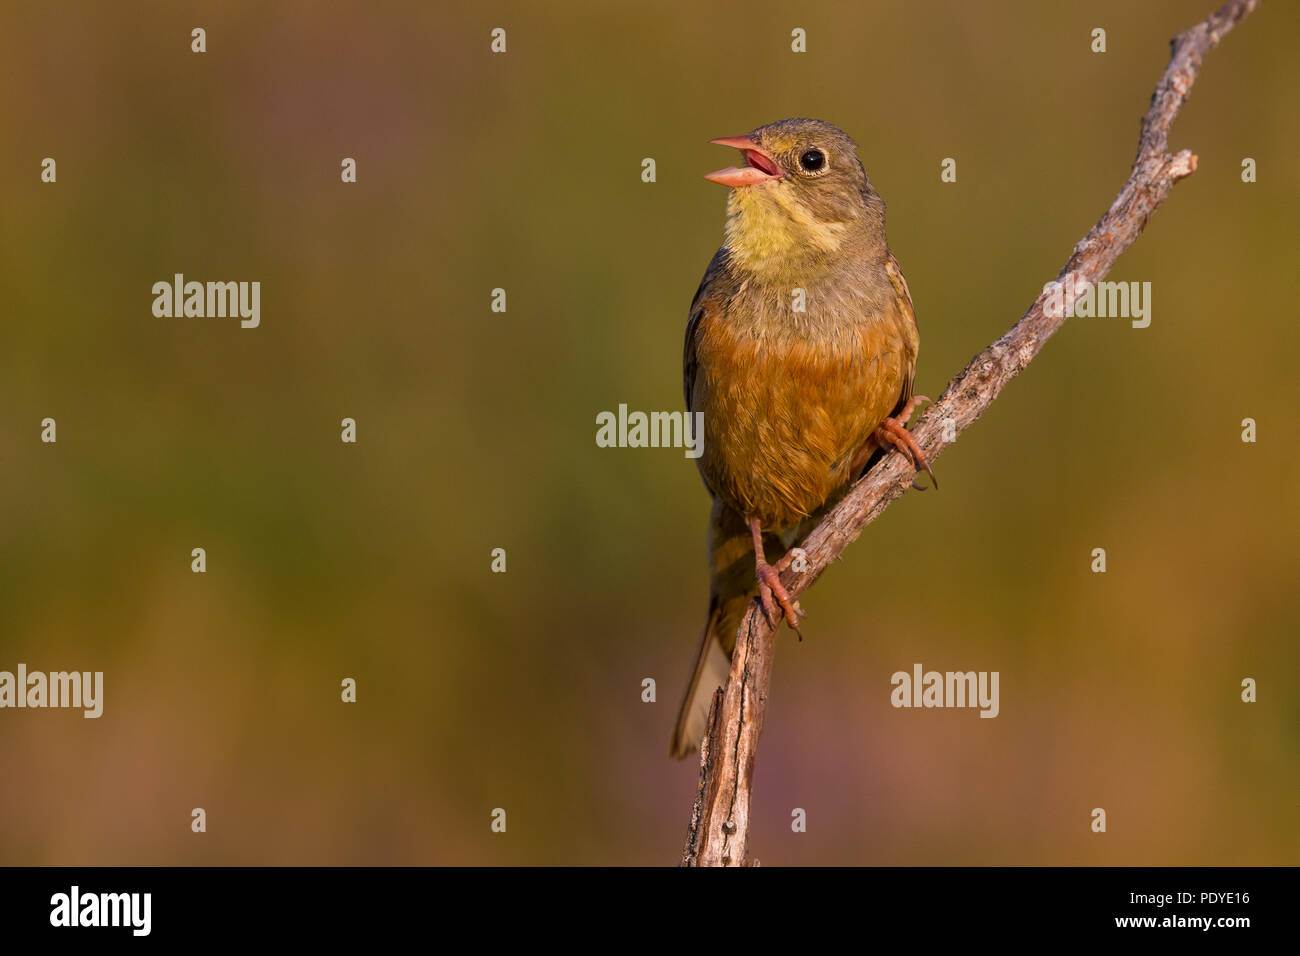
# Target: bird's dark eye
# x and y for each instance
(812, 160)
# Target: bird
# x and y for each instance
(800, 352)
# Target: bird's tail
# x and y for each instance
(732, 587)
(712, 665)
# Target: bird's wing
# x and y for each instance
(907, 323)
(709, 302)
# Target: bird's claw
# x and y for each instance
(772, 594)
(893, 431)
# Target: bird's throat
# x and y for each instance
(770, 234)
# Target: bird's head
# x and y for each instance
(800, 195)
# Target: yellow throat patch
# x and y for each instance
(768, 228)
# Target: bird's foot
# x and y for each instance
(771, 592)
(893, 431)
(773, 595)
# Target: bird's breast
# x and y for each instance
(788, 403)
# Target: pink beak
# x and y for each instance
(760, 166)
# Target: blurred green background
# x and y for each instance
(476, 431)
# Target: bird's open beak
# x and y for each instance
(759, 166)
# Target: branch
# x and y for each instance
(719, 829)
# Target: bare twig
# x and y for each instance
(719, 830)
